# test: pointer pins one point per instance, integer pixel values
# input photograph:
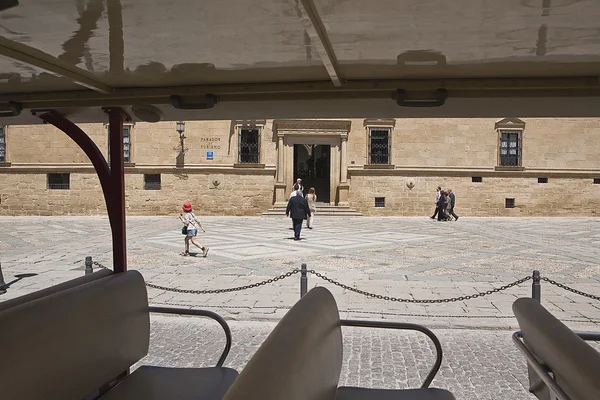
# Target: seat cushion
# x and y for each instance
(158, 383)
(357, 393)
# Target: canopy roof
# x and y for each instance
(300, 58)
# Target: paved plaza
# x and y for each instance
(408, 258)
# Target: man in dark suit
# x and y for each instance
(298, 208)
(452, 202)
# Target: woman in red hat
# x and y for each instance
(192, 224)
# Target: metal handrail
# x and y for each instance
(539, 369)
(200, 313)
(405, 326)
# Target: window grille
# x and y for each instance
(379, 146)
(59, 181)
(510, 154)
(249, 146)
(151, 181)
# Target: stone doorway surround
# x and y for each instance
(327, 132)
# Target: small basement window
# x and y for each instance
(596, 181)
(151, 181)
(542, 180)
(476, 179)
(59, 181)
(379, 201)
(509, 203)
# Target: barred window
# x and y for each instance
(151, 181)
(379, 201)
(510, 148)
(2, 145)
(59, 181)
(249, 145)
(509, 203)
(379, 145)
(126, 143)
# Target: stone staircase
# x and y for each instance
(323, 210)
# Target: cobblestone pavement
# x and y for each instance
(477, 364)
(412, 258)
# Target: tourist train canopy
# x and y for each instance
(232, 59)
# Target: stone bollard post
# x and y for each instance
(88, 265)
(3, 285)
(536, 287)
(303, 280)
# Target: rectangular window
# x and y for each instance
(476, 179)
(596, 181)
(379, 145)
(249, 146)
(379, 201)
(509, 203)
(151, 181)
(126, 144)
(59, 181)
(510, 153)
(542, 180)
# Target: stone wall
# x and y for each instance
(431, 152)
(558, 197)
(209, 193)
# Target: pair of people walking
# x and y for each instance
(300, 208)
(191, 224)
(445, 201)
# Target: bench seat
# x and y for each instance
(302, 358)
(72, 341)
(160, 383)
(358, 393)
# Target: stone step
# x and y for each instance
(323, 210)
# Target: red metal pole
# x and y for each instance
(117, 189)
(112, 180)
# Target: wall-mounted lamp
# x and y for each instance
(180, 128)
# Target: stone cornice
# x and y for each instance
(311, 127)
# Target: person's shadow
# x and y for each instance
(4, 286)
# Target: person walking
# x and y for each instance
(190, 229)
(298, 208)
(437, 199)
(441, 203)
(452, 203)
(311, 199)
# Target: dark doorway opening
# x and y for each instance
(312, 165)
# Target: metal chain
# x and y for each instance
(560, 285)
(97, 264)
(346, 287)
(214, 291)
(423, 301)
(227, 290)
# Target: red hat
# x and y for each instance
(187, 206)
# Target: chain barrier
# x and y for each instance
(570, 289)
(215, 291)
(423, 301)
(363, 292)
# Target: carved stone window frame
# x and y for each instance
(510, 125)
(371, 124)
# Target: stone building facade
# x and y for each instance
(509, 167)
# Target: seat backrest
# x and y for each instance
(68, 344)
(301, 359)
(103, 273)
(575, 364)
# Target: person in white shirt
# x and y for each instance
(191, 226)
(437, 198)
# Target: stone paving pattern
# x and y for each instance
(414, 258)
(477, 364)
